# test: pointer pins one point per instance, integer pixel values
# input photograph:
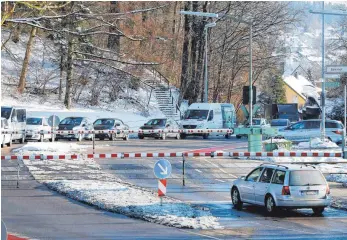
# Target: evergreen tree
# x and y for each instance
(278, 90)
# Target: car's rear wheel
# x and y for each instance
(227, 136)
(235, 197)
(318, 210)
(238, 136)
(141, 137)
(270, 204)
(178, 136)
(126, 138)
(205, 136)
(183, 136)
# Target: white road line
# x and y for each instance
(219, 180)
(198, 170)
(221, 169)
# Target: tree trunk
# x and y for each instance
(191, 91)
(61, 66)
(23, 74)
(114, 41)
(185, 52)
(69, 69)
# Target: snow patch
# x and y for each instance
(317, 143)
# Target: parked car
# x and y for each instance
(282, 186)
(34, 126)
(6, 138)
(160, 123)
(257, 123)
(111, 124)
(16, 119)
(302, 131)
(75, 124)
(208, 116)
(280, 123)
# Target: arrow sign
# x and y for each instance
(162, 169)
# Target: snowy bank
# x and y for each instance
(317, 143)
(83, 180)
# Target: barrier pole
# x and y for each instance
(94, 142)
(18, 168)
(183, 171)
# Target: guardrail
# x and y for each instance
(117, 131)
(173, 155)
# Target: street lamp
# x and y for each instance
(250, 24)
(209, 25)
(338, 13)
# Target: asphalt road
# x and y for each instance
(34, 211)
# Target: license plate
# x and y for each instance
(311, 192)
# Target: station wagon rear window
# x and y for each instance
(306, 178)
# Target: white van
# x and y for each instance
(34, 126)
(16, 119)
(208, 116)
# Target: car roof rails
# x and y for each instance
(275, 164)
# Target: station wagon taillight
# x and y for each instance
(338, 132)
(285, 190)
(328, 190)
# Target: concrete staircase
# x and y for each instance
(167, 102)
(166, 95)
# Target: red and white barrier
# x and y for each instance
(162, 187)
(187, 131)
(174, 154)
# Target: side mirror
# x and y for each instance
(117, 124)
(167, 125)
(145, 124)
(83, 125)
(243, 177)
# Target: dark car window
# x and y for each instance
(6, 112)
(279, 176)
(72, 121)
(279, 123)
(306, 178)
(254, 175)
(333, 125)
(157, 122)
(196, 114)
(266, 176)
(34, 121)
(312, 125)
(104, 122)
(298, 126)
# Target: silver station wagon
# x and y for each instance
(282, 186)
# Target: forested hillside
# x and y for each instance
(100, 51)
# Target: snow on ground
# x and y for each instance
(317, 143)
(51, 147)
(85, 181)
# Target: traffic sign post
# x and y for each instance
(162, 170)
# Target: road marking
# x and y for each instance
(221, 169)
(199, 234)
(219, 180)
(198, 170)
